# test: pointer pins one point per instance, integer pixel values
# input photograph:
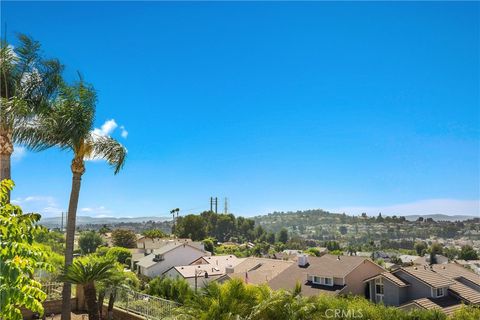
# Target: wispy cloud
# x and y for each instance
(427, 206)
(45, 205)
(99, 212)
(124, 133)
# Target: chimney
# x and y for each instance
(229, 269)
(302, 260)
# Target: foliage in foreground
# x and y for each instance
(19, 259)
(171, 289)
(236, 300)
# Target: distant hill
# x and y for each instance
(440, 217)
(83, 220)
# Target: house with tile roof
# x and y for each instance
(171, 254)
(440, 286)
(204, 269)
(328, 274)
(255, 270)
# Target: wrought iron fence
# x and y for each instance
(54, 290)
(150, 307)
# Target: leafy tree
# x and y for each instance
(225, 227)
(69, 126)
(19, 258)
(332, 245)
(468, 253)
(191, 226)
(313, 252)
(28, 82)
(104, 230)
(124, 238)
(53, 239)
(89, 241)
(119, 254)
(283, 235)
(343, 230)
(87, 272)
(435, 249)
(421, 248)
(451, 252)
(270, 237)
(154, 234)
(208, 244)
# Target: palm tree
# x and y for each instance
(121, 280)
(86, 273)
(28, 83)
(69, 126)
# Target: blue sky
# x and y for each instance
(277, 106)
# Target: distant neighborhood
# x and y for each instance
(414, 283)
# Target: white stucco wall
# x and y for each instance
(179, 256)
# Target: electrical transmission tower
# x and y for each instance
(214, 203)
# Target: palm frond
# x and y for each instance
(108, 149)
(88, 270)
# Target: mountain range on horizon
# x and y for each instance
(84, 220)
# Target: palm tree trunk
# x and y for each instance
(101, 298)
(78, 169)
(91, 300)
(6, 150)
(111, 301)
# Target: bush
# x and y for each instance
(119, 254)
(172, 289)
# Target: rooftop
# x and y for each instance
(427, 275)
(447, 304)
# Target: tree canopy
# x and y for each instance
(19, 259)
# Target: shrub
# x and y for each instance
(119, 254)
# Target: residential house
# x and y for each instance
(171, 254)
(426, 260)
(146, 246)
(408, 259)
(327, 274)
(256, 270)
(444, 286)
(204, 269)
(474, 265)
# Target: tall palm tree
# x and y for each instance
(28, 83)
(86, 273)
(69, 126)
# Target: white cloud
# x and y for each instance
(100, 211)
(18, 153)
(427, 206)
(124, 133)
(45, 205)
(106, 129)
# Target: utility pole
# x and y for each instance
(226, 206)
(214, 201)
(61, 224)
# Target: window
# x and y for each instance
(379, 290)
(439, 292)
(322, 280)
(379, 286)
